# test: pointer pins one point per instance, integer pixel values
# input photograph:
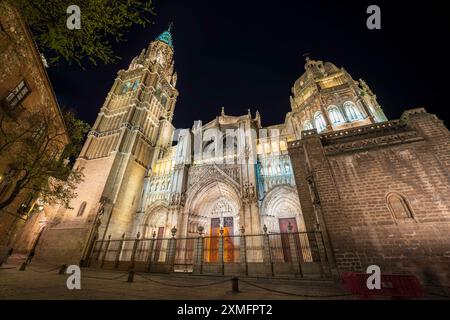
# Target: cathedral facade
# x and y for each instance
(226, 176)
(142, 183)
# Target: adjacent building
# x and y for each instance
(25, 92)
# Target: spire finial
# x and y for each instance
(223, 111)
(170, 26)
(306, 56)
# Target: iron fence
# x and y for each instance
(282, 252)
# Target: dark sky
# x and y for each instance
(247, 54)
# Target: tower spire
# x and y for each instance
(166, 36)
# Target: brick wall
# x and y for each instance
(352, 175)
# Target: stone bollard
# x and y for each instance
(130, 276)
(235, 285)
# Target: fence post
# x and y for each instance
(243, 252)
(106, 251)
(150, 251)
(133, 253)
(221, 260)
(198, 253)
(119, 252)
(172, 245)
(267, 257)
(294, 252)
(322, 253)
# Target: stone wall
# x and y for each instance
(346, 179)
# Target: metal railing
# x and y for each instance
(271, 254)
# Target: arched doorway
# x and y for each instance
(281, 211)
(157, 224)
(216, 207)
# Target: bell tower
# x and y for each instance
(132, 130)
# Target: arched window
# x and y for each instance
(163, 100)
(399, 207)
(319, 120)
(335, 115)
(352, 111)
(81, 209)
(307, 125)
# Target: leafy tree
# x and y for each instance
(102, 21)
(33, 144)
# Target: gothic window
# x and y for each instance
(319, 121)
(307, 125)
(25, 206)
(335, 115)
(17, 94)
(158, 91)
(37, 134)
(81, 209)
(352, 111)
(163, 100)
(399, 207)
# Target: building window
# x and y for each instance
(25, 206)
(81, 209)
(319, 120)
(399, 207)
(307, 125)
(335, 115)
(18, 94)
(163, 100)
(352, 111)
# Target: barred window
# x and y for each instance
(319, 120)
(335, 115)
(352, 111)
(17, 94)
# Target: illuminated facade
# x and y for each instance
(137, 182)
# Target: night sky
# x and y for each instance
(248, 54)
